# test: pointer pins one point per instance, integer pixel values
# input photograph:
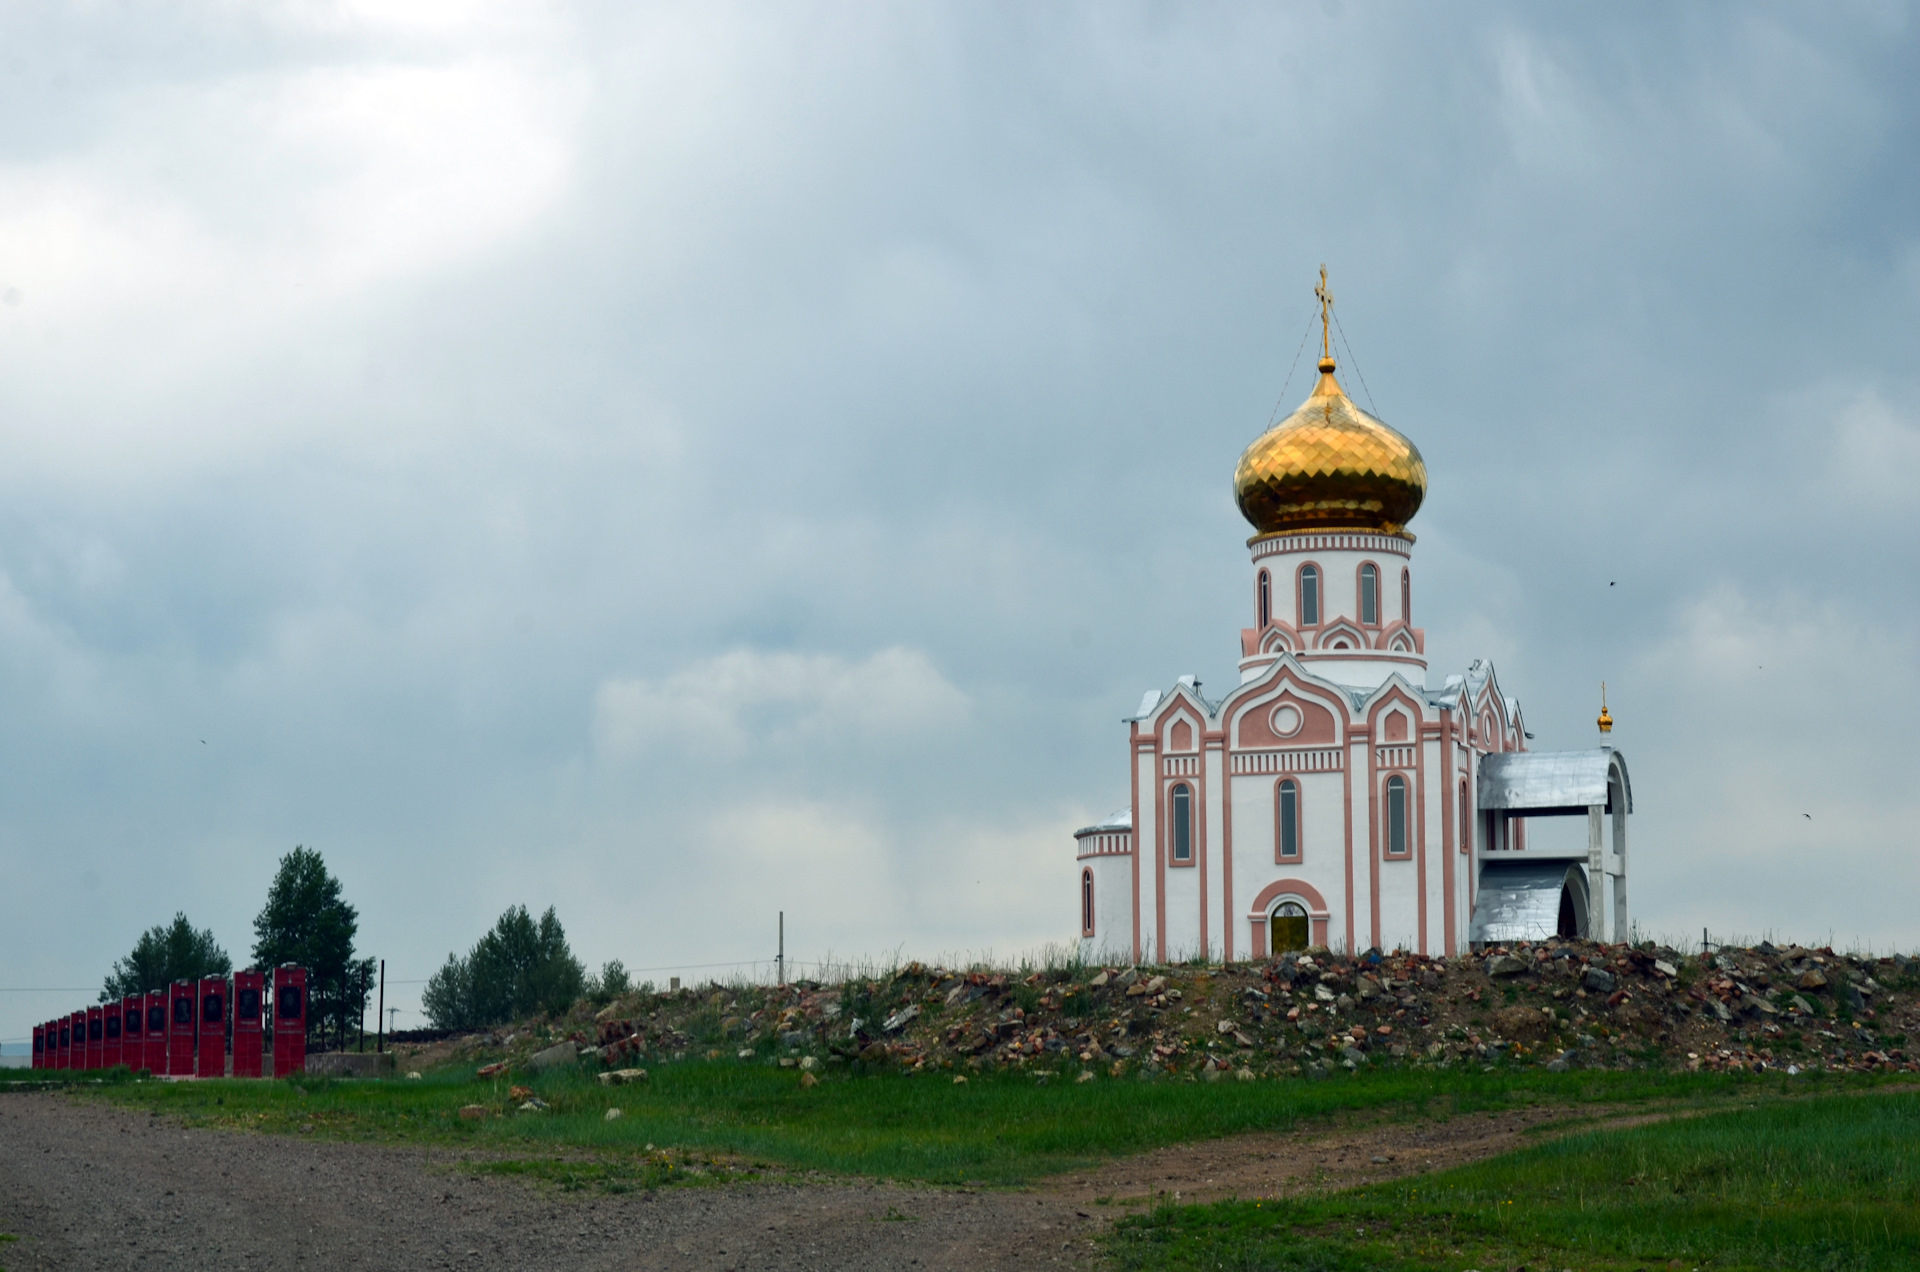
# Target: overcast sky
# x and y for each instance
(677, 464)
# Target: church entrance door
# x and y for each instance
(1287, 927)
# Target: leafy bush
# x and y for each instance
(612, 982)
(519, 968)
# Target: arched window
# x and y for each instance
(1466, 822)
(1289, 815)
(1086, 902)
(1396, 816)
(1309, 595)
(1287, 927)
(1266, 600)
(1406, 596)
(1369, 595)
(1182, 823)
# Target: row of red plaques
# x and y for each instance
(187, 1030)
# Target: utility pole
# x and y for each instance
(781, 961)
(379, 1016)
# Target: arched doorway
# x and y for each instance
(1572, 922)
(1287, 927)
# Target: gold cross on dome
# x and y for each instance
(1326, 309)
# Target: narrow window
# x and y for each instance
(1290, 819)
(1466, 821)
(1086, 903)
(1369, 596)
(1182, 823)
(1406, 596)
(1309, 595)
(1266, 600)
(1396, 816)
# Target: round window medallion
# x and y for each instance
(1286, 720)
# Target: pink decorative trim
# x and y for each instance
(1299, 825)
(1342, 629)
(1317, 914)
(1447, 862)
(1329, 541)
(1133, 755)
(1319, 595)
(1193, 825)
(1302, 760)
(1360, 595)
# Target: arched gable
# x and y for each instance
(1280, 637)
(1402, 638)
(1343, 633)
(1286, 719)
(1248, 711)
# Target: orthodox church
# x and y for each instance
(1337, 796)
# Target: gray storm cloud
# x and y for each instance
(680, 463)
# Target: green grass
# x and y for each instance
(1830, 1184)
(997, 1129)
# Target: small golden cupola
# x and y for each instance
(1329, 465)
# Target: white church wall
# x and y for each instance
(1112, 941)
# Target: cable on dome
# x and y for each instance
(1356, 365)
(1282, 399)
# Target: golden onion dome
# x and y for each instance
(1329, 466)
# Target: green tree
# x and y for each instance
(611, 983)
(307, 922)
(521, 967)
(165, 953)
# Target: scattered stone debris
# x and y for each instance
(1559, 1004)
(550, 1057)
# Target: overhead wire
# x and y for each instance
(1285, 385)
(1351, 357)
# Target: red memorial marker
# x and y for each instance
(96, 1037)
(77, 1053)
(62, 1052)
(180, 1030)
(211, 1059)
(248, 989)
(289, 1021)
(39, 1046)
(156, 1030)
(133, 1036)
(109, 1035)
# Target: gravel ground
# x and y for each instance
(87, 1185)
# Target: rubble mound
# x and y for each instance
(1559, 1004)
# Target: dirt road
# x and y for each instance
(86, 1185)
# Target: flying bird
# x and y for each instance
(1808, 816)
